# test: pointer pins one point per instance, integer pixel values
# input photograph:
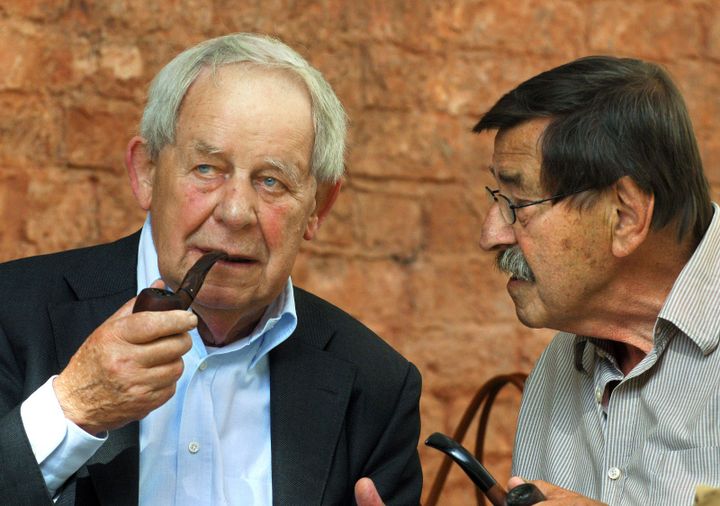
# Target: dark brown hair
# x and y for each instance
(614, 117)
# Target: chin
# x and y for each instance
(228, 298)
(527, 317)
(531, 324)
(217, 298)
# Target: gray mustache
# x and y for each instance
(512, 261)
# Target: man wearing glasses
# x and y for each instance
(602, 218)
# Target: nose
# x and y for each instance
(496, 233)
(237, 204)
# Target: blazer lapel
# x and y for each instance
(74, 321)
(97, 284)
(309, 394)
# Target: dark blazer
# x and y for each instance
(343, 403)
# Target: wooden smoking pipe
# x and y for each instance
(156, 299)
(522, 495)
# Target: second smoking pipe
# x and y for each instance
(155, 299)
(522, 495)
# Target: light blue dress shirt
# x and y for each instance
(209, 445)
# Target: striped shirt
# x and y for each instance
(657, 436)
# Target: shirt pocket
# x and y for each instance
(677, 473)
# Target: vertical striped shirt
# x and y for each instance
(657, 436)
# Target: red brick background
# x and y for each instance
(401, 248)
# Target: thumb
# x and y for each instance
(514, 482)
(366, 494)
(158, 283)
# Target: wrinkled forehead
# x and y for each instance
(247, 72)
(517, 155)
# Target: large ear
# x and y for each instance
(325, 197)
(633, 216)
(141, 170)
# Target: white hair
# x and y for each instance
(173, 81)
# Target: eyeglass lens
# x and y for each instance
(507, 212)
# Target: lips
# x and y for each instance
(240, 259)
(232, 258)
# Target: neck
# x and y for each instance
(628, 356)
(629, 305)
(220, 328)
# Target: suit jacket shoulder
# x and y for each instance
(327, 326)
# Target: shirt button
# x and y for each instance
(194, 447)
(203, 365)
(614, 473)
(598, 395)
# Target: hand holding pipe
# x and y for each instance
(155, 299)
(522, 495)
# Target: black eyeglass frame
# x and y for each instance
(494, 194)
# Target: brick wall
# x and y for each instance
(400, 250)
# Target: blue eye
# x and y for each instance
(271, 185)
(204, 169)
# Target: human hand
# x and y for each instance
(126, 368)
(366, 494)
(556, 496)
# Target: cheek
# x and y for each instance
(187, 205)
(180, 211)
(585, 246)
(553, 261)
(282, 226)
(567, 268)
(573, 251)
(193, 199)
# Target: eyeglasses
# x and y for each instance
(507, 206)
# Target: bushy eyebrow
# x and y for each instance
(509, 178)
(206, 148)
(288, 169)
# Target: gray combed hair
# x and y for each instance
(173, 81)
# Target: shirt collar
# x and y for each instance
(147, 266)
(275, 326)
(693, 300)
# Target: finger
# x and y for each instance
(136, 392)
(366, 494)
(545, 487)
(148, 326)
(514, 482)
(163, 350)
(156, 378)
